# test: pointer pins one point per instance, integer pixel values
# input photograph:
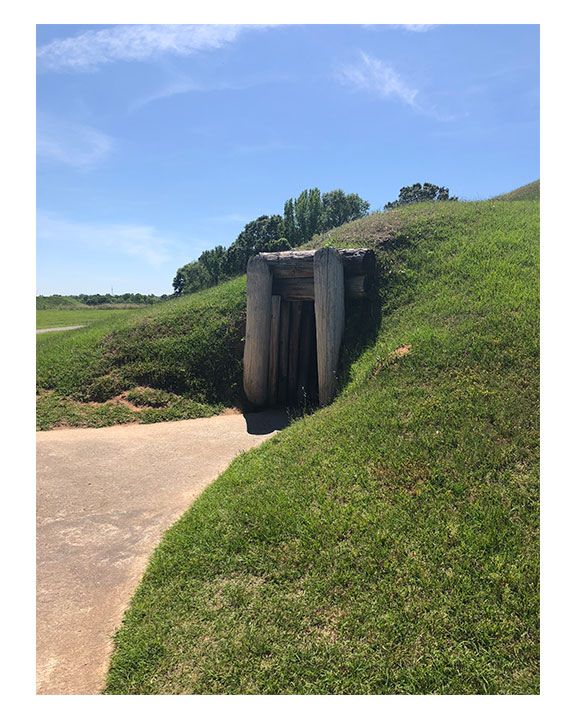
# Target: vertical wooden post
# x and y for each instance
(283, 359)
(274, 347)
(329, 304)
(257, 341)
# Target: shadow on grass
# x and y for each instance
(391, 288)
(363, 318)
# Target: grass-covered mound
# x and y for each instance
(188, 347)
(388, 543)
(58, 302)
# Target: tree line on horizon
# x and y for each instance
(95, 299)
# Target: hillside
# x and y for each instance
(526, 192)
(58, 302)
(174, 360)
(389, 542)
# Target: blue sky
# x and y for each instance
(158, 142)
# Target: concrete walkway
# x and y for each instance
(104, 499)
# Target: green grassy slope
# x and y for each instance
(526, 192)
(389, 542)
(189, 347)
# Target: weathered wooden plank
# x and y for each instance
(257, 339)
(294, 288)
(291, 263)
(284, 343)
(329, 309)
(305, 359)
(303, 288)
(300, 263)
(293, 350)
(357, 286)
(274, 350)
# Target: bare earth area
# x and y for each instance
(104, 499)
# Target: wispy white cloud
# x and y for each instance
(137, 43)
(143, 242)
(177, 87)
(372, 75)
(182, 85)
(73, 144)
(415, 28)
(408, 28)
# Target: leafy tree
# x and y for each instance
(190, 278)
(308, 214)
(312, 212)
(290, 227)
(213, 262)
(420, 193)
(339, 208)
(266, 233)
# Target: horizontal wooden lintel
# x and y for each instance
(300, 263)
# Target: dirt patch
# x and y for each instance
(400, 351)
(121, 400)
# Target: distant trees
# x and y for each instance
(290, 227)
(212, 263)
(190, 278)
(420, 193)
(109, 299)
(214, 266)
(310, 213)
(339, 208)
(266, 233)
(307, 215)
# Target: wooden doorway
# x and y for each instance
(295, 322)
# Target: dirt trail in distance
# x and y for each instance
(59, 329)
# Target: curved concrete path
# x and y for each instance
(104, 499)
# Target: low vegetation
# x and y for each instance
(190, 347)
(387, 543)
(66, 302)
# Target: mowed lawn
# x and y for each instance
(387, 544)
(62, 318)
